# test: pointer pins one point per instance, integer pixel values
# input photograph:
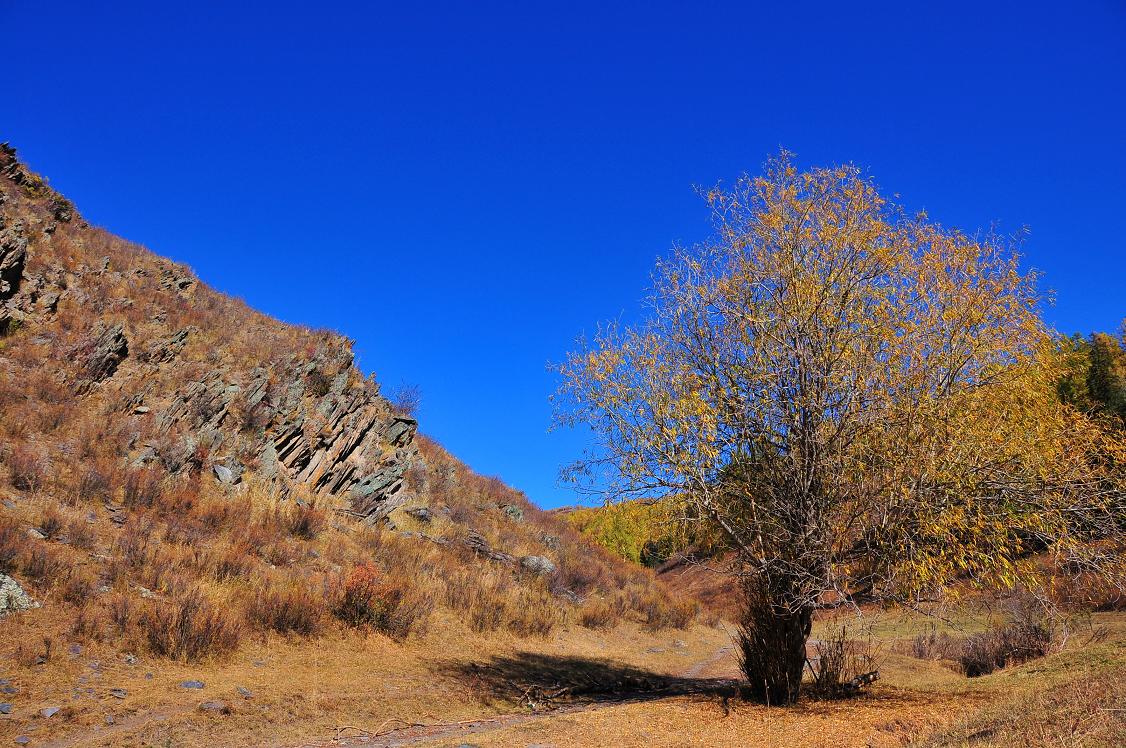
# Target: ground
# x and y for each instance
(673, 688)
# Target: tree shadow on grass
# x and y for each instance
(543, 681)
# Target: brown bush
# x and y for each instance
(141, 488)
(305, 521)
(236, 562)
(92, 484)
(121, 612)
(662, 613)
(370, 598)
(293, 607)
(190, 628)
(51, 523)
(79, 588)
(27, 468)
(12, 542)
(602, 614)
(42, 567)
(841, 665)
(80, 533)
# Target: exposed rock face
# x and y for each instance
(110, 349)
(210, 384)
(13, 253)
(12, 596)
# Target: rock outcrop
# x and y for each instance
(210, 384)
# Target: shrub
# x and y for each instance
(12, 542)
(92, 484)
(27, 468)
(369, 598)
(662, 613)
(80, 533)
(42, 567)
(842, 666)
(293, 608)
(79, 588)
(141, 488)
(305, 521)
(189, 629)
(601, 614)
(51, 523)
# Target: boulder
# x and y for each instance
(228, 471)
(13, 598)
(515, 513)
(538, 565)
(421, 513)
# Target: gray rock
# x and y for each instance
(36, 533)
(109, 349)
(192, 684)
(49, 711)
(538, 565)
(225, 474)
(5, 708)
(515, 513)
(244, 692)
(215, 707)
(22, 740)
(13, 598)
(421, 513)
(13, 254)
(118, 693)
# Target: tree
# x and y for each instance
(856, 398)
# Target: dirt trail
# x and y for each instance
(415, 734)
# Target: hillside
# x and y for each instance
(183, 476)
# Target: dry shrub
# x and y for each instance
(79, 588)
(12, 542)
(51, 523)
(80, 533)
(121, 612)
(841, 665)
(235, 562)
(370, 598)
(601, 613)
(1030, 633)
(141, 488)
(305, 521)
(88, 623)
(27, 468)
(190, 628)
(982, 653)
(93, 484)
(663, 613)
(533, 614)
(42, 567)
(295, 606)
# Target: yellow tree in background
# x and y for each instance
(860, 401)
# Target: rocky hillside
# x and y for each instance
(178, 468)
(197, 379)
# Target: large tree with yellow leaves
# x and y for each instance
(860, 401)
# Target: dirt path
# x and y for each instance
(399, 734)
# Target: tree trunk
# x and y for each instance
(771, 643)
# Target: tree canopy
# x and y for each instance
(861, 401)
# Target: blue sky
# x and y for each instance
(465, 188)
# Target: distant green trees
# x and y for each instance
(1095, 381)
